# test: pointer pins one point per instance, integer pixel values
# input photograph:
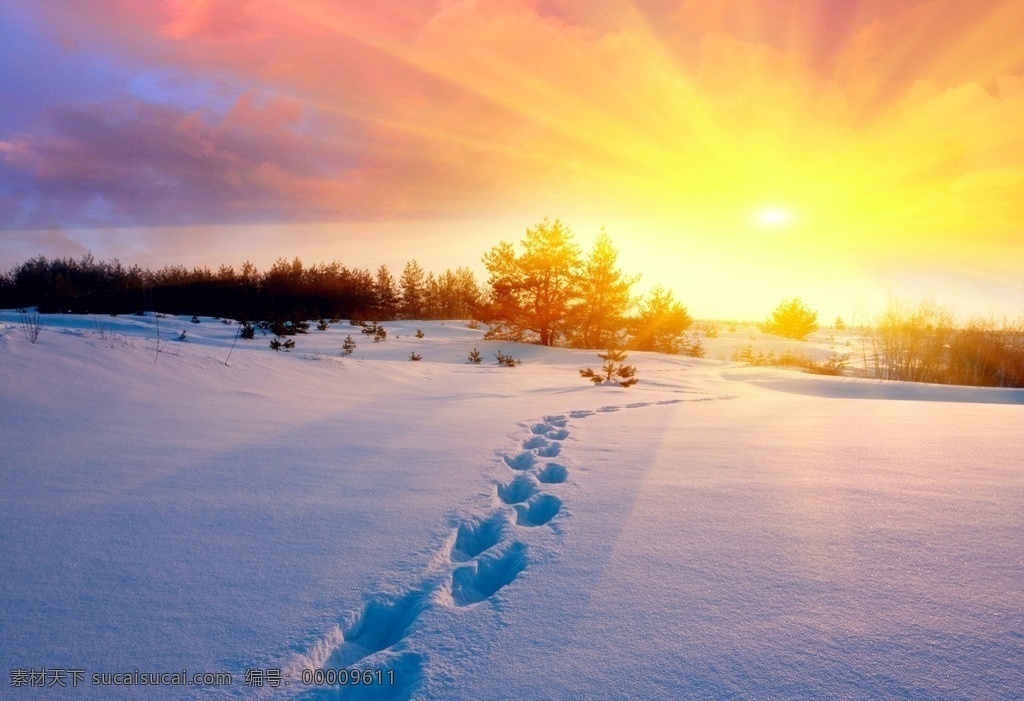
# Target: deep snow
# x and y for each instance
(489, 532)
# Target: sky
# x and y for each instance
(740, 152)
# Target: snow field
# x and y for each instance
(486, 532)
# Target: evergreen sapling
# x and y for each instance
(507, 360)
(614, 371)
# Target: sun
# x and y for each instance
(773, 217)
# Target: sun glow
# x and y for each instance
(773, 217)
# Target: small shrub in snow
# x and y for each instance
(279, 343)
(419, 333)
(694, 350)
(834, 365)
(30, 324)
(280, 328)
(286, 328)
(182, 337)
(375, 330)
(195, 319)
(248, 330)
(475, 357)
(322, 325)
(348, 346)
(748, 355)
(710, 329)
(473, 324)
(415, 356)
(507, 360)
(614, 371)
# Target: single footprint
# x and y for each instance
(476, 535)
(535, 442)
(553, 473)
(559, 434)
(550, 450)
(558, 421)
(538, 511)
(381, 624)
(481, 578)
(518, 490)
(523, 461)
(541, 429)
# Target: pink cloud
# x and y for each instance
(154, 163)
(351, 110)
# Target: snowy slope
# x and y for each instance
(488, 532)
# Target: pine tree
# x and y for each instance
(277, 343)
(348, 346)
(695, 349)
(532, 293)
(615, 371)
(432, 306)
(791, 319)
(411, 285)
(466, 294)
(604, 297)
(507, 360)
(475, 357)
(660, 322)
(386, 293)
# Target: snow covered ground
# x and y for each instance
(483, 532)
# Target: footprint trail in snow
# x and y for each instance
(485, 553)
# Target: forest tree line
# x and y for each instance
(551, 293)
(287, 290)
(544, 290)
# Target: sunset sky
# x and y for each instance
(738, 151)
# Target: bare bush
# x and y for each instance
(923, 344)
(30, 324)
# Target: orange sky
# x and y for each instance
(739, 151)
